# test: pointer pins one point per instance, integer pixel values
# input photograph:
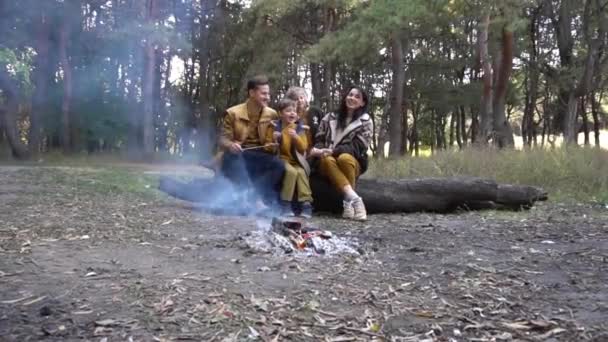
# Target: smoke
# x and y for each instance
(217, 195)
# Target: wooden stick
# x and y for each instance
(259, 147)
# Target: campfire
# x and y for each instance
(298, 237)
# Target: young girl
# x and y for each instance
(342, 142)
(290, 135)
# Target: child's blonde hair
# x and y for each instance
(286, 103)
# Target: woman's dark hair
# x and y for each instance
(342, 111)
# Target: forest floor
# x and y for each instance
(96, 254)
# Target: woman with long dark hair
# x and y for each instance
(343, 139)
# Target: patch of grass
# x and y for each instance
(107, 181)
(568, 174)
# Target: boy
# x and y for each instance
(290, 134)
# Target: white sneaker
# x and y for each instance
(349, 211)
(360, 214)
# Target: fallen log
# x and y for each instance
(380, 196)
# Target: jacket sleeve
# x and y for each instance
(300, 142)
(269, 140)
(227, 135)
(322, 133)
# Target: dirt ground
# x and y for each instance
(78, 263)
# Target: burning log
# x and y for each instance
(384, 196)
(301, 236)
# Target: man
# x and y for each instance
(242, 139)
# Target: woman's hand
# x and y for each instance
(327, 152)
(320, 152)
(315, 152)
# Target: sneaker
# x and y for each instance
(360, 214)
(349, 211)
(286, 209)
(306, 210)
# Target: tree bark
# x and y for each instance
(315, 80)
(485, 112)
(571, 114)
(326, 98)
(386, 196)
(503, 136)
(66, 103)
(8, 116)
(585, 119)
(395, 128)
(383, 131)
(41, 82)
(415, 139)
(596, 120)
(148, 83)
(533, 75)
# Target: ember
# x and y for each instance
(294, 236)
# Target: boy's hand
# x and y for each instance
(235, 148)
(292, 132)
(276, 136)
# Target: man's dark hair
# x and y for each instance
(256, 81)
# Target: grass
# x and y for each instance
(569, 174)
(110, 180)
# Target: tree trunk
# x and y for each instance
(395, 128)
(485, 112)
(315, 80)
(452, 129)
(503, 136)
(164, 98)
(461, 129)
(383, 131)
(206, 127)
(585, 119)
(528, 129)
(415, 140)
(384, 196)
(404, 132)
(8, 116)
(66, 103)
(148, 84)
(570, 124)
(596, 120)
(41, 82)
(326, 98)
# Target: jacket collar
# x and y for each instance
(250, 107)
(336, 137)
(278, 126)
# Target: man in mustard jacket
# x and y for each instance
(244, 130)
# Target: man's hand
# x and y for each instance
(327, 152)
(235, 148)
(292, 132)
(276, 136)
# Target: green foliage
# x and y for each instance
(19, 65)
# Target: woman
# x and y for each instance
(342, 141)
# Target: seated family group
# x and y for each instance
(274, 153)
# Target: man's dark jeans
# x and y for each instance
(261, 170)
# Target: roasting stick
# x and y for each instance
(259, 147)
